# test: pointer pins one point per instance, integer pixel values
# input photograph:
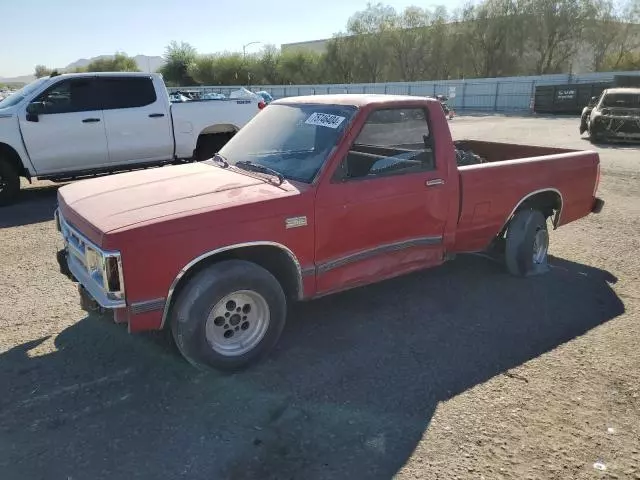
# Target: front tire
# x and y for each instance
(9, 183)
(229, 315)
(527, 244)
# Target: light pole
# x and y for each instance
(244, 48)
(244, 59)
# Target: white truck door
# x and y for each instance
(67, 133)
(136, 119)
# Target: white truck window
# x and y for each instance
(68, 96)
(132, 92)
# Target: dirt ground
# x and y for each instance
(457, 372)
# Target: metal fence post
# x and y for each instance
(495, 100)
(464, 94)
(409, 90)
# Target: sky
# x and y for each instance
(56, 33)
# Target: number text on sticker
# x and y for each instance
(324, 120)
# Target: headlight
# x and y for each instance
(95, 261)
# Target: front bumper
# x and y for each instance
(87, 302)
(598, 205)
(96, 283)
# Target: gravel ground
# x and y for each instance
(457, 372)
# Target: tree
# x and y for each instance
(489, 30)
(408, 43)
(554, 31)
(367, 29)
(42, 71)
(339, 59)
(179, 58)
(120, 62)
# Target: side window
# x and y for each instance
(131, 92)
(391, 142)
(69, 96)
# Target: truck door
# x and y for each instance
(67, 133)
(384, 211)
(136, 120)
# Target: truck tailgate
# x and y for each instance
(490, 192)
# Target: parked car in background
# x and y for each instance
(78, 125)
(613, 116)
(315, 195)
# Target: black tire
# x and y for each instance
(9, 183)
(209, 145)
(521, 236)
(594, 137)
(204, 292)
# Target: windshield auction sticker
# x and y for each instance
(324, 120)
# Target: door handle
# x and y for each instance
(434, 182)
(156, 115)
(90, 120)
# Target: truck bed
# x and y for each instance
(491, 191)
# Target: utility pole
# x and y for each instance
(244, 58)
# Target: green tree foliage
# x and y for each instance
(120, 62)
(486, 38)
(179, 61)
(42, 71)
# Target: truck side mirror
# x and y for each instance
(33, 110)
(593, 101)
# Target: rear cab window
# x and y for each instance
(127, 92)
(392, 141)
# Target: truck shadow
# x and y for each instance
(348, 393)
(34, 205)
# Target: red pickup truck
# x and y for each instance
(313, 196)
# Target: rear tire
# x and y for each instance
(228, 316)
(527, 244)
(208, 145)
(9, 183)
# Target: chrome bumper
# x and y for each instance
(103, 282)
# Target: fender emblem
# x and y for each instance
(293, 222)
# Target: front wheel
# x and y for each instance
(527, 244)
(9, 183)
(229, 315)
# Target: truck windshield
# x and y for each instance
(294, 140)
(623, 100)
(18, 96)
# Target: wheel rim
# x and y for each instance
(540, 246)
(237, 323)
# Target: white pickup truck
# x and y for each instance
(72, 126)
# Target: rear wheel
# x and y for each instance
(229, 315)
(9, 183)
(209, 145)
(527, 244)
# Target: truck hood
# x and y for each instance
(129, 199)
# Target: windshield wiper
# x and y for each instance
(220, 160)
(256, 167)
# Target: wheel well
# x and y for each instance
(548, 202)
(211, 142)
(219, 128)
(8, 153)
(275, 260)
